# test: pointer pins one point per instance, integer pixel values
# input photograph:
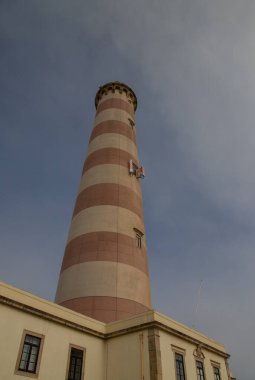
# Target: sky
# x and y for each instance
(191, 64)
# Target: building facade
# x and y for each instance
(68, 345)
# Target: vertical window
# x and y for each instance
(179, 362)
(216, 372)
(200, 371)
(131, 123)
(138, 240)
(29, 355)
(75, 364)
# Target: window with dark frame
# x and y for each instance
(179, 362)
(200, 371)
(138, 240)
(75, 364)
(216, 372)
(30, 353)
(131, 123)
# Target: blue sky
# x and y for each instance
(191, 65)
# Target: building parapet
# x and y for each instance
(116, 86)
(28, 303)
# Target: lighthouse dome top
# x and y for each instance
(113, 87)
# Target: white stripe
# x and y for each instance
(105, 279)
(106, 218)
(113, 140)
(110, 174)
(112, 114)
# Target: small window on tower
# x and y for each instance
(131, 123)
(138, 240)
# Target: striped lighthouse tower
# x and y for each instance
(104, 273)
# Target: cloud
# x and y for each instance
(198, 59)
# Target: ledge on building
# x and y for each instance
(28, 303)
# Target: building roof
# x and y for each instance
(29, 303)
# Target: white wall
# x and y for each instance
(128, 357)
(54, 358)
(167, 342)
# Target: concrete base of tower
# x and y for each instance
(105, 309)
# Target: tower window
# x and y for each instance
(30, 353)
(200, 371)
(131, 123)
(75, 364)
(179, 362)
(138, 240)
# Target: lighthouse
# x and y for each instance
(104, 272)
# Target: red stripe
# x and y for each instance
(109, 194)
(116, 103)
(105, 309)
(108, 156)
(114, 126)
(105, 246)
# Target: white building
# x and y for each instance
(40, 339)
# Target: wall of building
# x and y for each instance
(169, 344)
(140, 347)
(55, 351)
(127, 357)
